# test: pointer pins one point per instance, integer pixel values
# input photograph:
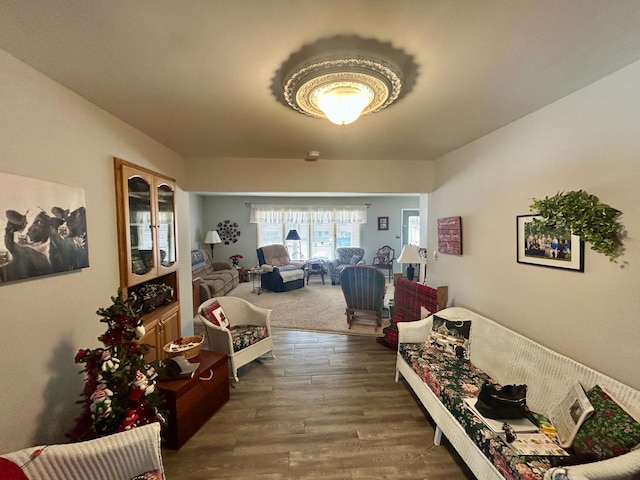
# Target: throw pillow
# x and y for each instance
(424, 313)
(453, 336)
(354, 260)
(11, 471)
(215, 314)
(610, 431)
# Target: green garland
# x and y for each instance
(584, 215)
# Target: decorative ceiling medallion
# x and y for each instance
(344, 72)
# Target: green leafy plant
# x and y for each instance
(586, 216)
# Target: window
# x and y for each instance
(321, 228)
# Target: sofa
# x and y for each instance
(214, 279)
(441, 379)
(132, 454)
(345, 256)
(280, 273)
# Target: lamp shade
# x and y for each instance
(411, 254)
(212, 237)
(293, 235)
(343, 105)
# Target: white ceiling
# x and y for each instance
(196, 75)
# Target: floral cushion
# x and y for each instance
(150, 475)
(452, 379)
(243, 336)
(610, 431)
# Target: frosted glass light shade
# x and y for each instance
(344, 105)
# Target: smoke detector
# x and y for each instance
(312, 156)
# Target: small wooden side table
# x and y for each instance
(243, 274)
(191, 402)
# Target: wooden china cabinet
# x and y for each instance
(146, 215)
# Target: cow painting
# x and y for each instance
(45, 228)
(37, 244)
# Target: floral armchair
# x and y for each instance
(345, 256)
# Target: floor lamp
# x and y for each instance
(212, 237)
(411, 254)
(294, 235)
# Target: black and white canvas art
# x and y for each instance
(45, 228)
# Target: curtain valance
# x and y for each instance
(304, 214)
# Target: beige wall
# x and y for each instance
(589, 140)
(277, 175)
(49, 133)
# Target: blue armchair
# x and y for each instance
(282, 274)
(345, 256)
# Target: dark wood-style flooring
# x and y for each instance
(327, 407)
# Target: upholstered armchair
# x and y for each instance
(344, 256)
(237, 328)
(281, 273)
(363, 288)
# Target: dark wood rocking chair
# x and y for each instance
(384, 259)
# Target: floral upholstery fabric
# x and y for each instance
(452, 379)
(344, 257)
(244, 336)
(610, 431)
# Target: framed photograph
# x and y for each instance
(383, 223)
(548, 247)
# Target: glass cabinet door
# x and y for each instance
(140, 226)
(166, 225)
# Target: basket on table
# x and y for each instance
(188, 347)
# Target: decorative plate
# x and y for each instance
(228, 232)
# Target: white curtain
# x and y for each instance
(301, 214)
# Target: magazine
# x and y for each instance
(570, 414)
(536, 444)
(518, 425)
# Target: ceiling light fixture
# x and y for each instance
(342, 78)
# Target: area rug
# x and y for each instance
(316, 307)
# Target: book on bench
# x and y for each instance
(519, 425)
(528, 440)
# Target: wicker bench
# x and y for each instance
(440, 381)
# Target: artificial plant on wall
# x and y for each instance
(586, 216)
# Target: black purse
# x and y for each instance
(507, 402)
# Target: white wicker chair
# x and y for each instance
(121, 455)
(238, 312)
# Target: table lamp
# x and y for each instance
(411, 254)
(294, 235)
